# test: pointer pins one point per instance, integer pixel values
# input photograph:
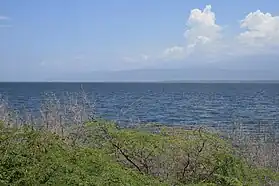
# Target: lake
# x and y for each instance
(212, 104)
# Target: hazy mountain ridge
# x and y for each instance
(168, 75)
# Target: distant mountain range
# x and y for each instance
(172, 75)
(251, 68)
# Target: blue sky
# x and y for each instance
(40, 39)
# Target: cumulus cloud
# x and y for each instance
(202, 27)
(202, 34)
(205, 41)
(175, 52)
(262, 29)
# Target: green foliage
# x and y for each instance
(100, 153)
(30, 157)
(178, 156)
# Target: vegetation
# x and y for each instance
(106, 155)
(30, 157)
(99, 152)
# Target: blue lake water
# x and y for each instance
(218, 104)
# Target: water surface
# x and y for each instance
(219, 104)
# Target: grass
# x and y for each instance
(67, 146)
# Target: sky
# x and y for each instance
(40, 40)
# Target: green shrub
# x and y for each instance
(177, 156)
(30, 157)
(100, 153)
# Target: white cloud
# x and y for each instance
(175, 52)
(175, 49)
(202, 27)
(205, 40)
(262, 29)
(202, 34)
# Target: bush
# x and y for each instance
(101, 153)
(30, 157)
(178, 156)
